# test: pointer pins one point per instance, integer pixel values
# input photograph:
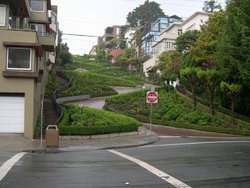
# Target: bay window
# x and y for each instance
(19, 58)
(40, 29)
(37, 5)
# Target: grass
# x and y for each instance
(99, 78)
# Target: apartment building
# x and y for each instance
(166, 40)
(27, 43)
(157, 27)
(110, 33)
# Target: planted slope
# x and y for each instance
(88, 121)
(169, 108)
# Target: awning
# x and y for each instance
(38, 47)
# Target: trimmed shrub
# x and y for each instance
(88, 121)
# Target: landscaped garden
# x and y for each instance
(172, 111)
(88, 121)
(97, 80)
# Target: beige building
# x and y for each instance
(27, 43)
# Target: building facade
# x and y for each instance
(129, 37)
(166, 40)
(27, 46)
(157, 27)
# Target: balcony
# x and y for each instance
(19, 23)
(47, 40)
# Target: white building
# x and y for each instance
(166, 40)
(130, 36)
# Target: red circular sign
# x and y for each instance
(152, 97)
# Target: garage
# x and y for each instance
(11, 114)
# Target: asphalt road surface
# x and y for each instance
(171, 162)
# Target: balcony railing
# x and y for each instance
(19, 23)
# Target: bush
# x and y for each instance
(88, 121)
(171, 110)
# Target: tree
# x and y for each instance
(232, 91)
(169, 65)
(122, 41)
(144, 14)
(204, 51)
(233, 58)
(101, 53)
(185, 41)
(211, 6)
(64, 54)
(211, 79)
(142, 17)
(190, 75)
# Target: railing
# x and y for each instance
(59, 107)
(19, 22)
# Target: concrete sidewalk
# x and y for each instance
(17, 143)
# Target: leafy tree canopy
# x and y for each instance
(185, 41)
(234, 45)
(211, 6)
(205, 49)
(144, 14)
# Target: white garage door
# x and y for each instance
(11, 114)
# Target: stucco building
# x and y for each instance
(27, 44)
(166, 40)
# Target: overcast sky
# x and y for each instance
(91, 17)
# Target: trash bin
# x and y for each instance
(52, 136)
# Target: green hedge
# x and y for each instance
(88, 121)
(75, 130)
(95, 85)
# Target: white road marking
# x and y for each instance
(166, 177)
(169, 136)
(194, 143)
(5, 168)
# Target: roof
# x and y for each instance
(117, 52)
(194, 15)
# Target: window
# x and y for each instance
(37, 5)
(40, 29)
(19, 58)
(179, 32)
(2, 15)
(53, 18)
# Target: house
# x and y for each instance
(27, 46)
(115, 53)
(129, 36)
(110, 33)
(166, 40)
(156, 29)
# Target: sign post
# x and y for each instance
(41, 126)
(152, 97)
(80, 106)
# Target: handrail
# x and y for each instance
(59, 108)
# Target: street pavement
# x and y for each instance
(177, 162)
(17, 143)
